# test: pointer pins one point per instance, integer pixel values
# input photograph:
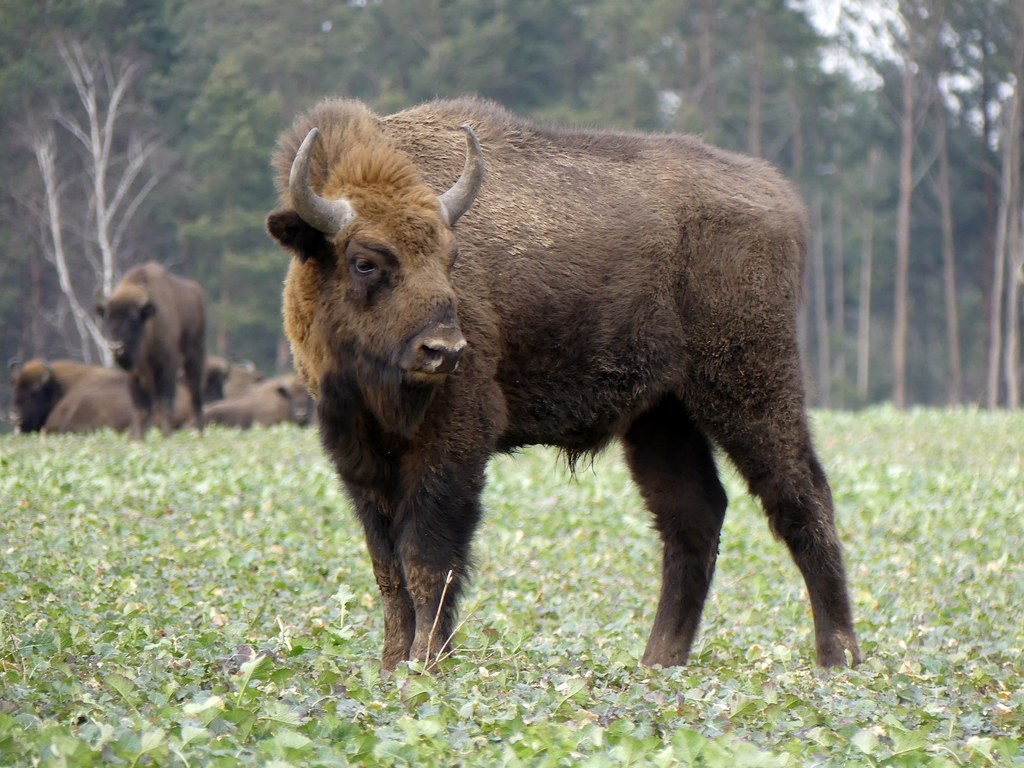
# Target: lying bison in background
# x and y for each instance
(225, 379)
(601, 286)
(156, 325)
(108, 404)
(40, 385)
(274, 401)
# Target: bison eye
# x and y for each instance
(364, 266)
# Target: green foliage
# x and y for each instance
(218, 81)
(208, 601)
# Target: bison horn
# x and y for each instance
(327, 216)
(456, 201)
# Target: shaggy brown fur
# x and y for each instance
(40, 386)
(156, 323)
(274, 401)
(107, 404)
(609, 285)
(225, 379)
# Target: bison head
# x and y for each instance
(215, 375)
(36, 391)
(368, 299)
(124, 316)
(300, 405)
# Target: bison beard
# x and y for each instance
(608, 286)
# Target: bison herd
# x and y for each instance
(155, 324)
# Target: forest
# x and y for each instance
(142, 129)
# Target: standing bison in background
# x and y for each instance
(40, 386)
(156, 326)
(595, 286)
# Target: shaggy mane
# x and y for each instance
(352, 154)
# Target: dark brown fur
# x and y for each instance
(40, 385)
(157, 321)
(225, 379)
(274, 401)
(627, 286)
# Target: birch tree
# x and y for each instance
(116, 172)
(44, 149)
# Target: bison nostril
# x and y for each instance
(437, 356)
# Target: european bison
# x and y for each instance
(107, 404)
(274, 401)
(40, 385)
(156, 324)
(224, 379)
(602, 285)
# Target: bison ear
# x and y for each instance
(147, 310)
(295, 235)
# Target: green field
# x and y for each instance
(208, 601)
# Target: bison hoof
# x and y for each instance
(840, 651)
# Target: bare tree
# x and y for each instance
(922, 22)
(1014, 278)
(838, 280)
(899, 345)
(44, 148)
(1015, 236)
(102, 90)
(955, 388)
(819, 291)
(864, 300)
(119, 174)
(1000, 257)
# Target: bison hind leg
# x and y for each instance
(769, 440)
(671, 461)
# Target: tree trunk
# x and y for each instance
(756, 88)
(821, 329)
(864, 301)
(36, 292)
(1015, 235)
(906, 187)
(707, 85)
(955, 383)
(1014, 262)
(838, 283)
(999, 255)
(89, 335)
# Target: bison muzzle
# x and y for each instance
(595, 286)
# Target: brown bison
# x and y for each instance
(274, 401)
(107, 404)
(225, 379)
(596, 286)
(40, 385)
(156, 325)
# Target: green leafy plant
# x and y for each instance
(208, 601)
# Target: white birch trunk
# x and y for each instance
(90, 337)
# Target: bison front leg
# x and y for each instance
(399, 616)
(672, 463)
(434, 549)
(142, 407)
(435, 600)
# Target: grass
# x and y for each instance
(208, 601)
